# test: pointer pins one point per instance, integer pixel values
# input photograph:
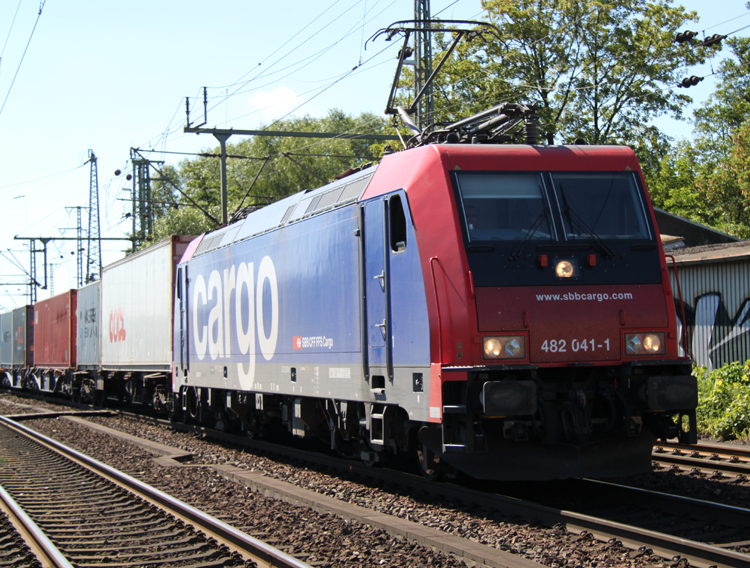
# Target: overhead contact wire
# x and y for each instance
(39, 15)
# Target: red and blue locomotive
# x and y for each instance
(501, 310)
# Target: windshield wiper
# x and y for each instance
(529, 235)
(574, 218)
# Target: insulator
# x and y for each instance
(714, 39)
(690, 81)
(687, 35)
(531, 130)
(407, 52)
(452, 138)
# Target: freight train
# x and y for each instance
(501, 310)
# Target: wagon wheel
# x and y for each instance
(31, 383)
(87, 391)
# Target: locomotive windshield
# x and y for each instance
(510, 219)
(504, 206)
(560, 206)
(607, 205)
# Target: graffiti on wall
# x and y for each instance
(714, 336)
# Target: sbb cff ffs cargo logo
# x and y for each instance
(116, 326)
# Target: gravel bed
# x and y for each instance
(325, 538)
(14, 553)
(8, 405)
(553, 547)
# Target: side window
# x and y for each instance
(397, 223)
(179, 283)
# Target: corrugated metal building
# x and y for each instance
(715, 283)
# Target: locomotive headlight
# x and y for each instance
(512, 347)
(564, 269)
(645, 343)
(492, 347)
(507, 347)
(633, 344)
(652, 343)
(567, 268)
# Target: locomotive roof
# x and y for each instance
(308, 203)
(289, 210)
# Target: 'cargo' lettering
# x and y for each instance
(214, 337)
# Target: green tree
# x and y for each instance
(726, 190)
(728, 108)
(672, 184)
(283, 166)
(707, 180)
(600, 70)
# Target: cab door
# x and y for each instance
(182, 297)
(377, 287)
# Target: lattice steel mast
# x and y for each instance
(94, 256)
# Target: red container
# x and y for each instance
(55, 332)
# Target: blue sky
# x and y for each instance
(109, 76)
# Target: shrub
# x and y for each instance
(724, 401)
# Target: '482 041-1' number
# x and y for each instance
(561, 345)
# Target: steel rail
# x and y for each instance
(46, 553)
(726, 449)
(699, 554)
(668, 546)
(213, 527)
(709, 458)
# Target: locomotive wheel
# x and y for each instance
(429, 464)
(191, 411)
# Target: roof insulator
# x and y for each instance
(407, 52)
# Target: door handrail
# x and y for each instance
(437, 305)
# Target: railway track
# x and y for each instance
(645, 522)
(715, 461)
(97, 516)
(704, 534)
(22, 542)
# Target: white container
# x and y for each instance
(88, 326)
(6, 340)
(136, 312)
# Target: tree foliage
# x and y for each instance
(598, 70)
(718, 121)
(726, 189)
(724, 401)
(707, 179)
(308, 163)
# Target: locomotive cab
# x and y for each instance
(569, 353)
